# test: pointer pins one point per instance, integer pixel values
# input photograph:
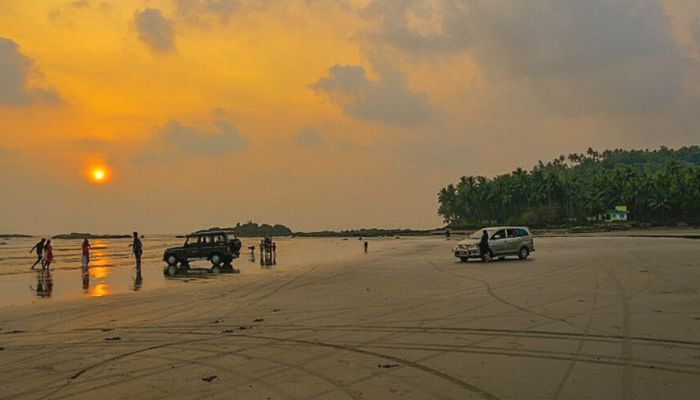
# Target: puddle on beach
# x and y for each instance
(112, 268)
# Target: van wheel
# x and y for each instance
(216, 269)
(523, 253)
(216, 260)
(464, 259)
(172, 260)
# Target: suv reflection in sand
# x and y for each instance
(503, 241)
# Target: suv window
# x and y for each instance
(521, 232)
(511, 232)
(192, 241)
(219, 239)
(501, 234)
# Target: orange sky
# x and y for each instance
(319, 114)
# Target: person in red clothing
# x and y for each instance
(48, 254)
(86, 253)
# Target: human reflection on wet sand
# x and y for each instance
(268, 260)
(44, 283)
(85, 274)
(138, 280)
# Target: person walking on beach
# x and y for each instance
(48, 255)
(137, 249)
(484, 247)
(39, 247)
(85, 259)
(366, 246)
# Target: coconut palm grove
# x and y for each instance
(655, 186)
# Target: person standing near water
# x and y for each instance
(48, 255)
(85, 259)
(39, 252)
(137, 249)
(366, 246)
(484, 247)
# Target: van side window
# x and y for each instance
(501, 234)
(521, 232)
(511, 232)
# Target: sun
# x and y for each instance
(98, 174)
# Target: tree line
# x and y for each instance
(657, 186)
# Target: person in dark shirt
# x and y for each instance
(39, 252)
(366, 246)
(137, 249)
(484, 248)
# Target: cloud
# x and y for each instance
(386, 100)
(617, 56)
(418, 26)
(578, 57)
(80, 4)
(309, 136)
(155, 30)
(176, 139)
(198, 10)
(15, 71)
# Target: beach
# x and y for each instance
(597, 317)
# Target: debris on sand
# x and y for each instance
(15, 331)
(242, 328)
(387, 365)
(2, 348)
(106, 329)
(259, 320)
(227, 331)
(209, 378)
(276, 310)
(113, 338)
(215, 321)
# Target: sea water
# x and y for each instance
(112, 268)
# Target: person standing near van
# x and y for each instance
(484, 248)
(85, 259)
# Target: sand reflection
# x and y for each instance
(98, 271)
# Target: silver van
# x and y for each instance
(503, 241)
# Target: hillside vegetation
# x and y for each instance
(657, 186)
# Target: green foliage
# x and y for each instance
(657, 186)
(251, 229)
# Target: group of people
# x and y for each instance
(44, 252)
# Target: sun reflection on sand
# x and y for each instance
(99, 270)
(99, 290)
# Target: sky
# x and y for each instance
(319, 114)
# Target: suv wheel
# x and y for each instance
(216, 260)
(523, 253)
(216, 269)
(172, 270)
(172, 260)
(464, 259)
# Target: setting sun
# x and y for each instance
(98, 174)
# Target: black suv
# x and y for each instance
(216, 246)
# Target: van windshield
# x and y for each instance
(477, 234)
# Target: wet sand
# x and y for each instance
(584, 318)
